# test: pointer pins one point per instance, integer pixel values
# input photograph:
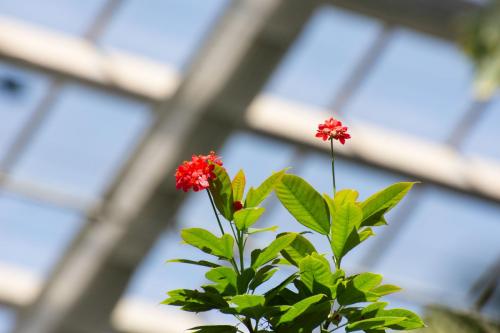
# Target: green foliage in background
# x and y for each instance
(442, 320)
(481, 41)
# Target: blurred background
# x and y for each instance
(100, 100)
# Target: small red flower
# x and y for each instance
(332, 129)
(197, 173)
(237, 205)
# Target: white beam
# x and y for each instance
(64, 55)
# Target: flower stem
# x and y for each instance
(241, 245)
(215, 212)
(333, 167)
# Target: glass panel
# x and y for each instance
(420, 86)
(323, 57)
(167, 31)
(20, 93)
(86, 138)
(449, 241)
(7, 319)
(70, 16)
(485, 136)
(33, 235)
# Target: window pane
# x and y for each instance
(70, 16)
(83, 143)
(420, 86)
(20, 93)
(33, 235)
(449, 241)
(168, 31)
(323, 57)
(7, 319)
(485, 136)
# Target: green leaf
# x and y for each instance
(299, 308)
(304, 203)
(315, 273)
(256, 196)
(381, 202)
(411, 320)
(345, 221)
(208, 242)
(375, 310)
(214, 329)
(196, 301)
(249, 305)
(367, 281)
(386, 289)
(252, 231)
(245, 218)
(244, 279)
(262, 275)
(373, 323)
(297, 250)
(222, 192)
(238, 185)
(359, 289)
(194, 262)
(225, 278)
(270, 252)
(276, 290)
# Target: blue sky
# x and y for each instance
(420, 86)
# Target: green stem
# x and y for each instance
(333, 167)
(248, 323)
(338, 327)
(240, 249)
(215, 212)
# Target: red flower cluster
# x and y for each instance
(332, 129)
(197, 173)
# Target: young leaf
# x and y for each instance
(256, 196)
(304, 203)
(299, 308)
(359, 289)
(249, 305)
(411, 320)
(270, 252)
(195, 301)
(315, 273)
(207, 242)
(373, 323)
(252, 231)
(367, 281)
(346, 219)
(245, 218)
(297, 250)
(225, 278)
(194, 262)
(262, 275)
(222, 192)
(238, 185)
(214, 329)
(386, 289)
(381, 202)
